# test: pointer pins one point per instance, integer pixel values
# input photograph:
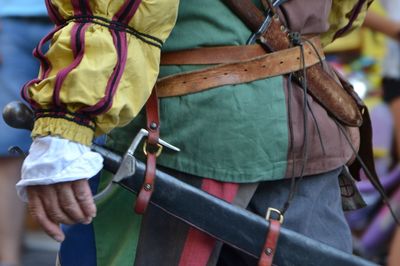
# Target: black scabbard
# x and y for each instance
(234, 226)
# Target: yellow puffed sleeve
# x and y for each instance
(101, 66)
(345, 16)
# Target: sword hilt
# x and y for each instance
(127, 164)
(18, 115)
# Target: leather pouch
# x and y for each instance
(338, 98)
(323, 87)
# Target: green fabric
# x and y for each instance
(233, 133)
(116, 227)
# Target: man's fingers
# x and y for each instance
(49, 198)
(69, 204)
(84, 196)
(37, 211)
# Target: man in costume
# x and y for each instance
(22, 25)
(252, 137)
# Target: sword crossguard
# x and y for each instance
(128, 164)
(144, 133)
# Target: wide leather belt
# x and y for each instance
(242, 64)
(212, 55)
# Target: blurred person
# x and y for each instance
(391, 95)
(22, 24)
(390, 26)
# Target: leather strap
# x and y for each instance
(152, 147)
(212, 55)
(268, 252)
(320, 85)
(267, 65)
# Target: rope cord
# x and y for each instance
(377, 185)
(294, 183)
(298, 40)
(117, 26)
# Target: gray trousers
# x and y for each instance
(315, 212)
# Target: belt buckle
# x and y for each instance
(279, 216)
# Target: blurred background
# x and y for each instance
(22, 24)
(37, 249)
(368, 57)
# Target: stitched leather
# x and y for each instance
(267, 65)
(153, 126)
(268, 252)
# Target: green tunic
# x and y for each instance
(240, 133)
(233, 133)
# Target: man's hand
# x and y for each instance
(61, 203)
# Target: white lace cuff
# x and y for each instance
(54, 160)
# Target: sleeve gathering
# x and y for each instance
(101, 65)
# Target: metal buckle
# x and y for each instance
(158, 152)
(128, 167)
(279, 217)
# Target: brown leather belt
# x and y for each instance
(237, 64)
(212, 55)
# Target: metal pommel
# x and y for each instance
(17, 115)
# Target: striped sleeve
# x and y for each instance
(100, 68)
(345, 16)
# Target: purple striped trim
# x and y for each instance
(81, 7)
(53, 13)
(78, 47)
(38, 53)
(127, 11)
(106, 102)
(354, 14)
(76, 118)
(66, 112)
(85, 4)
(124, 15)
(76, 6)
(44, 64)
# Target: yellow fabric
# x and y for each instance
(367, 43)
(374, 45)
(351, 42)
(340, 17)
(380, 153)
(86, 84)
(370, 43)
(63, 128)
